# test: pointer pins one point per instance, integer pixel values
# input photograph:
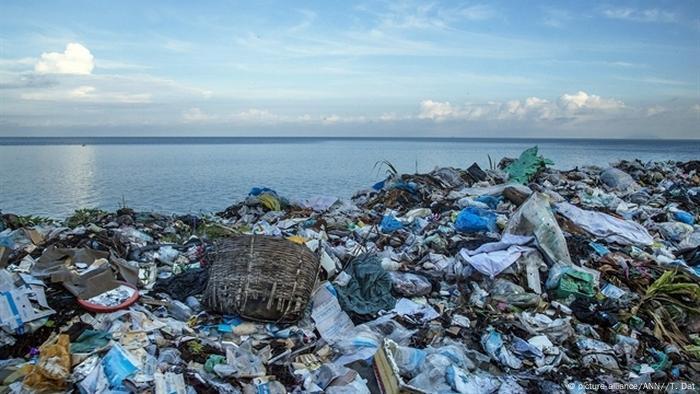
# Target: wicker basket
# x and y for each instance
(261, 278)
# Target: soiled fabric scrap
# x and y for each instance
(90, 340)
(369, 289)
(186, 284)
(610, 228)
(494, 257)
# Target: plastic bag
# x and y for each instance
(390, 224)
(471, 383)
(389, 328)
(492, 258)
(534, 217)
(675, 231)
(361, 344)
(432, 374)
(512, 294)
(118, 365)
(523, 348)
(244, 361)
(601, 225)
(683, 216)
(491, 201)
(493, 344)
(410, 285)
(472, 220)
(53, 368)
(409, 360)
(455, 352)
(557, 330)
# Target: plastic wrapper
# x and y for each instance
(54, 367)
(472, 220)
(464, 382)
(535, 218)
(410, 285)
(512, 294)
(245, 363)
(494, 346)
(409, 360)
(390, 224)
(604, 226)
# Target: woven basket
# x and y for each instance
(261, 278)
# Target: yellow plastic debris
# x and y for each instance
(297, 239)
(270, 202)
(53, 368)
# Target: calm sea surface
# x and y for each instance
(54, 176)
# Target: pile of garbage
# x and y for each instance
(514, 279)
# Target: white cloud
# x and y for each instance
(655, 110)
(531, 108)
(639, 15)
(76, 59)
(87, 94)
(426, 16)
(194, 115)
(436, 110)
(257, 115)
(477, 12)
(82, 92)
(582, 101)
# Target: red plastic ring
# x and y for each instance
(97, 308)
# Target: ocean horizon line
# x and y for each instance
(137, 140)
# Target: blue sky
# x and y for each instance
(434, 69)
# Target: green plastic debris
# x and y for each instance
(527, 166)
(369, 289)
(89, 341)
(661, 358)
(576, 283)
(212, 361)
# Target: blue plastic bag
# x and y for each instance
(390, 224)
(491, 201)
(410, 187)
(378, 185)
(600, 249)
(474, 220)
(684, 217)
(256, 191)
(118, 365)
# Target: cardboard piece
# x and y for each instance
(60, 265)
(16, 307)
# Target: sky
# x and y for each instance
(578, 69)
